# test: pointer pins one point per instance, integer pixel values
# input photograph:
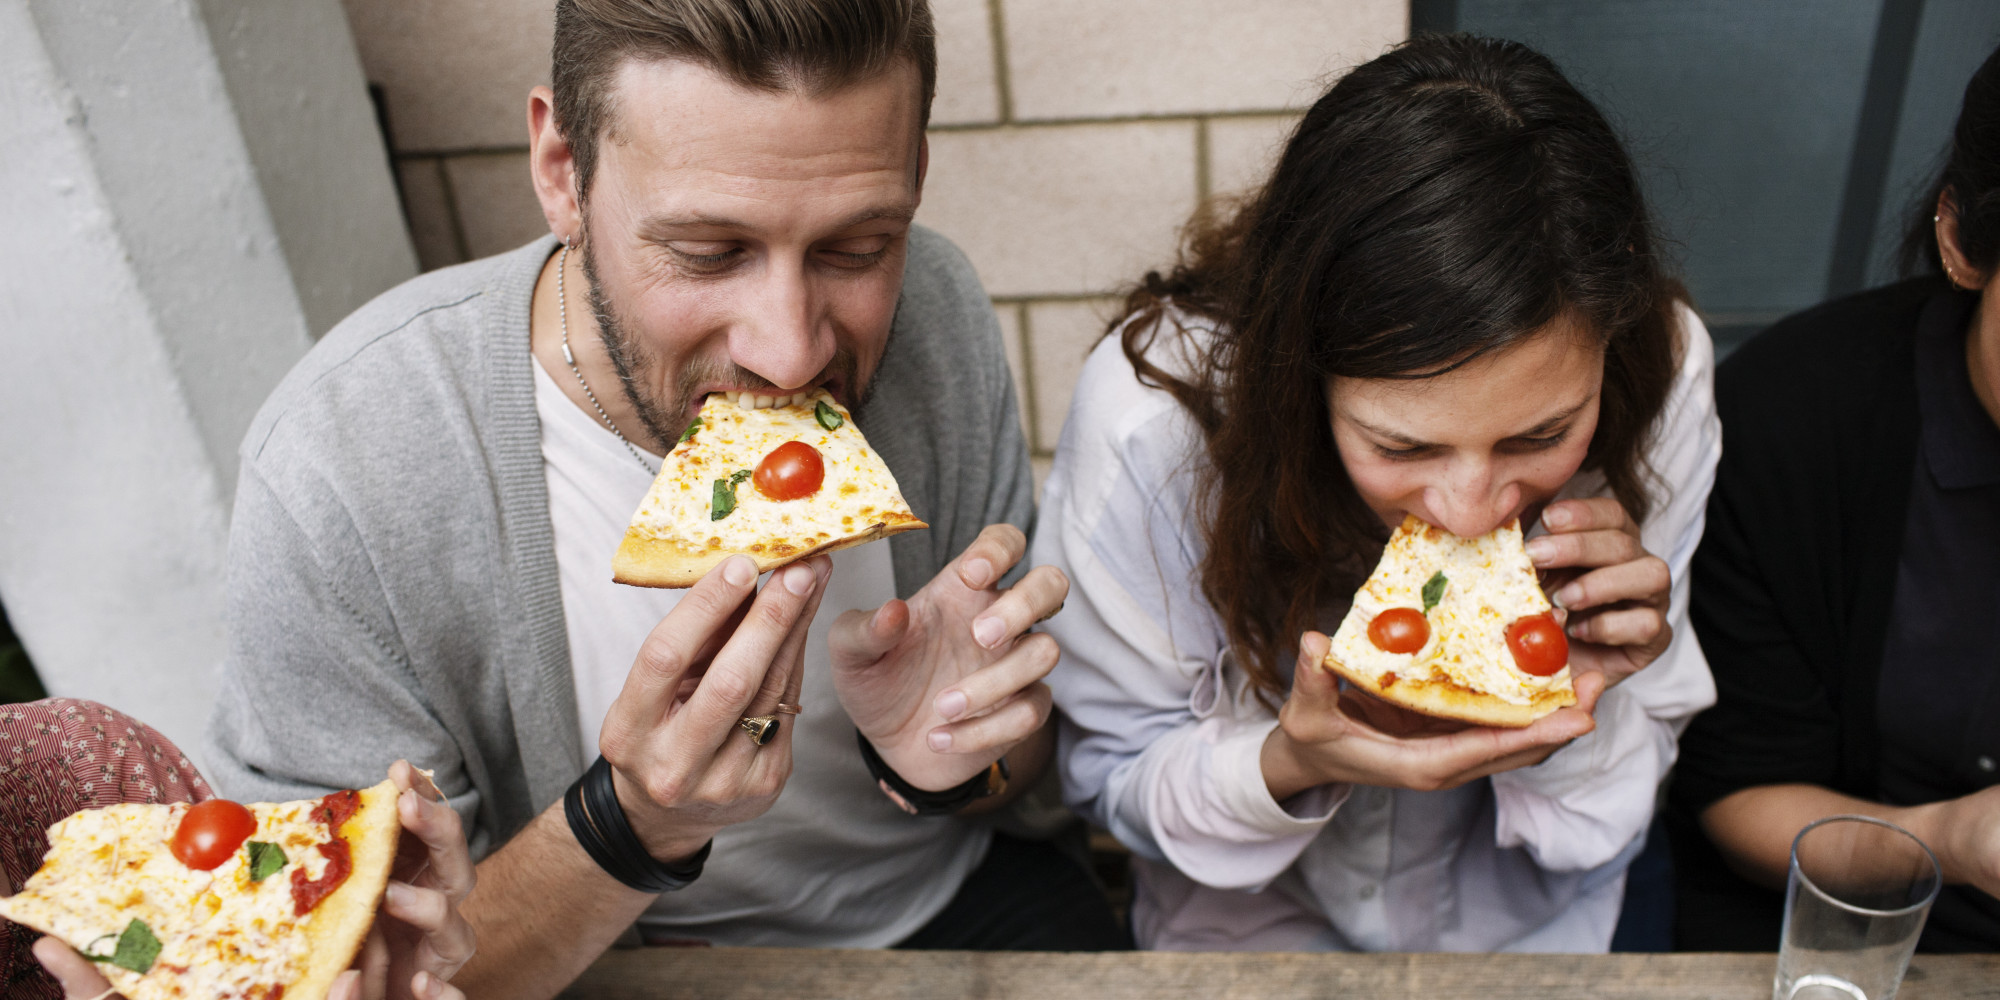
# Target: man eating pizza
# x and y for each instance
(422, 542)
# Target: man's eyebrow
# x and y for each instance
(660, 228)
(1545, 427)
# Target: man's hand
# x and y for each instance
(682, 765)
(948, 682)
(1611, 593)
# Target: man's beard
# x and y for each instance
(638, 368)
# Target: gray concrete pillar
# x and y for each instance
(178, 218)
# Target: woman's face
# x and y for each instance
(1469, 449)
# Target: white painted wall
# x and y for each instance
(165, 254)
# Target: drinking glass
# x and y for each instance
(1855, 902)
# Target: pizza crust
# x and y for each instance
(340, 923)
(655, 562)
(1445, 700)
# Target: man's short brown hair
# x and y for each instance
(813, 46)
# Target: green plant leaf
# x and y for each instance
(265, 860)
(137, 948)
(688, 434)
(827, 416)
(1434, 590)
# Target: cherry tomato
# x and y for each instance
(792, 471)
(1538, 645)
(211, 832)
(1399, 630)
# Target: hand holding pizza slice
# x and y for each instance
(262, 902)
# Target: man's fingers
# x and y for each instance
(1036, 597)
(675, 646)
(1029, 661)
(996, 731)
(782, 682)
(867, 636)
(739, 670)
(990, 556)
(1588, 514)
(80, 980)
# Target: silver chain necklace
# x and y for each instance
(562, 306)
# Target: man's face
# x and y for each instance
(739, 239)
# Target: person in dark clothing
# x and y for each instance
(1847, 591)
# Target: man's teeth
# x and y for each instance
(753, 401)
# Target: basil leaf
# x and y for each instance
(137, 948)
(827, 416)
(1434, 590)
(688, 434)
(265, 860)
(723, 501)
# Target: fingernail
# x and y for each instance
(739, 571)
(1568, 596)
(400, 895)
(951, 704)
(427, 985)
(940, 740)
(1540, 550)
(989, 631)
(981, 571)
(1556, 517)
(799, 580)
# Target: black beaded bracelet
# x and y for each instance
(918, 802)
(598, 822)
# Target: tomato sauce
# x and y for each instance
(308, 893)
(333, 810)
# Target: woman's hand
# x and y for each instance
(1325, 735)
(419, 939)
(1611, 591)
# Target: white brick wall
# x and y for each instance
(1070, 138)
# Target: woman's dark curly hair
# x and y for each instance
(1440, 203)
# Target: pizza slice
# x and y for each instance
(776, 483)
(1456, 628)
(216, 899)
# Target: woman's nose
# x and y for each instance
(1472, 502)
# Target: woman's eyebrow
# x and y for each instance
(1548, 425)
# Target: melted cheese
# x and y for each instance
(1492, 584)
(858, 490)
(233, 937)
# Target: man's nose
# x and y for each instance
(785, 334)
(1471, 502)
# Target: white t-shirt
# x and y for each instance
(833, 864)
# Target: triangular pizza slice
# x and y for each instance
(776, 483)
(1456, 628)
(216, 899)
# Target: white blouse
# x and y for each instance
(1161, 736)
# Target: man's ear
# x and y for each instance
(1957, 269)
(552, 167)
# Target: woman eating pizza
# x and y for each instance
(1446, 302)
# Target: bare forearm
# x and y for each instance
(543, 911)
(1754, 828)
